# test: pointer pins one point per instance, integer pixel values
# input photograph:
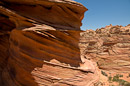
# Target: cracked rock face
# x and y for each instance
(39, 44)
(110, 48)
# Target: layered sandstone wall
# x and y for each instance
(39, 44)
(109, 47)
(61, 14)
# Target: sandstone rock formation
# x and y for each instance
(63, 14)
(110, 48)
(39, 44)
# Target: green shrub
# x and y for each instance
(129, 75)
(110, 78)
(103, 73)
(116, 78)
(120, 75)
(120, 81)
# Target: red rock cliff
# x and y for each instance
(39, 44)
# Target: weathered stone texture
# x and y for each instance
(36, 33)
(109, 47)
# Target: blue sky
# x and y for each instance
(105, 12)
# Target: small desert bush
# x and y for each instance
(103, 73)
(120, 81)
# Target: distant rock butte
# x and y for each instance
(109, 47)
(39, 44)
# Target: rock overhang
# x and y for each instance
(66, 14)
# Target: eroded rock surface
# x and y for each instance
(61, 14)
(110, 48)
(39, 44)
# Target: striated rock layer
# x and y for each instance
(110, 48)
(29, 49)
(39, 44)
(61, 14)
